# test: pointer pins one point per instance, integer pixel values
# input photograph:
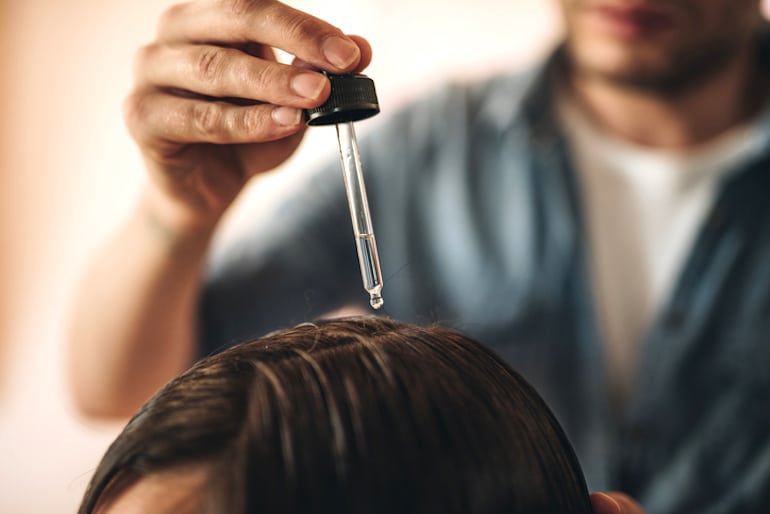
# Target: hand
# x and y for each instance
(614, 503)
(211, 106)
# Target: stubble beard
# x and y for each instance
(681, 73)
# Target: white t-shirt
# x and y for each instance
(643, 207)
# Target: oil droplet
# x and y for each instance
(376, 301)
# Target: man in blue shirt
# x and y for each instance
(508, 208)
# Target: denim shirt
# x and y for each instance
(479, 226)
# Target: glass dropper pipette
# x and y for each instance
(353, 98)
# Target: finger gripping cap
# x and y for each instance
(352, 98)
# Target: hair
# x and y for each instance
(359, 415)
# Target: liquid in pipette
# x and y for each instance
(370, 268)
(359, 212)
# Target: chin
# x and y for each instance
(623, 64)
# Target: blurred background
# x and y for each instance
(69, 173)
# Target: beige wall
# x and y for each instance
(5, 225)
(67, 175)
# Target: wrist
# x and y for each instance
(175, 225)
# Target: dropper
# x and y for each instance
(353, 98)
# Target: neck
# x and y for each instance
(728, 97)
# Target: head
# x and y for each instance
(362, 415)
(663, 46)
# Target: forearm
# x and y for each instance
(135, 315)
(134, 319)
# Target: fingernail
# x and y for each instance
(340, 52)
(286, 116)
(611, 500)
(308, 85)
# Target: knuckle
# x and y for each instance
(249, 121)
(242, 7)
(302, 26)
(210, 63)
(171, 15)
(133, 110)
(208, 121)
(143, 57)
(253, 77)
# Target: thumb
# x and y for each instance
(614, 503)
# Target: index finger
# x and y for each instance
(267, 22)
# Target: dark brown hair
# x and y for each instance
(358, 416)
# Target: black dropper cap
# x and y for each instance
(352, 98)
